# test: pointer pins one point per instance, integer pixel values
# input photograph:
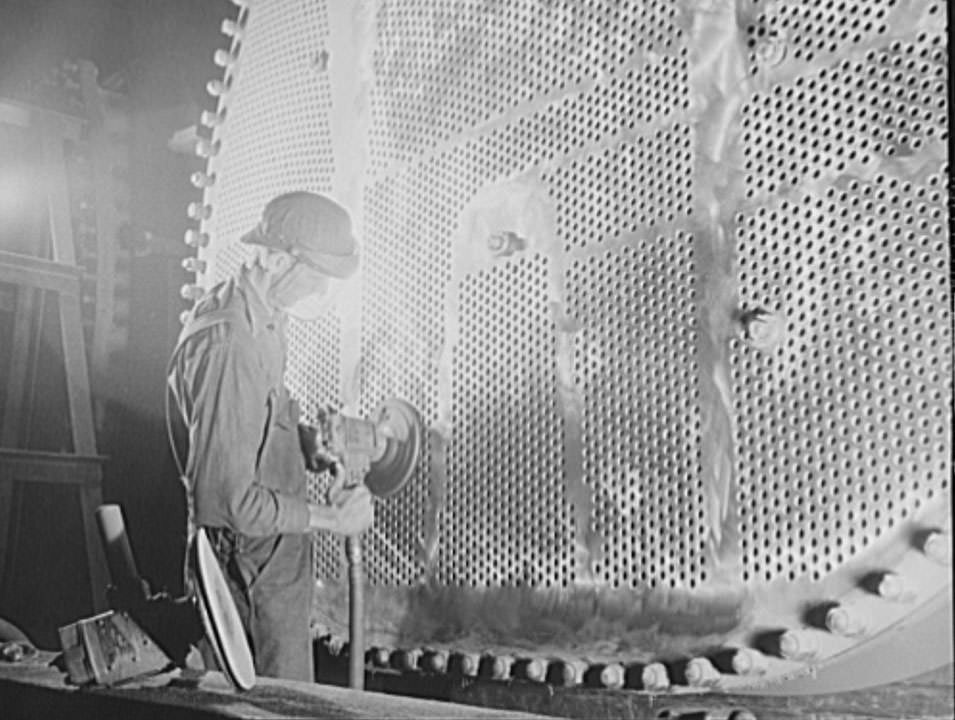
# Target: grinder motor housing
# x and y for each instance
(382, 451)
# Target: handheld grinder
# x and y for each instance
(382, 452)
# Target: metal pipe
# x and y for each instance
(356, 613)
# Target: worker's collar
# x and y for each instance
(261, 315)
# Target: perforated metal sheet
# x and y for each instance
(805, 30)
(598, 423)
(277, 136)
(406, 271)
(625, 188)
(443, 69)
(842, 430)
(847, 117)
(506, 507)
(845, 430)
(634, 362)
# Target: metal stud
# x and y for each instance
(196, 239)
(938, 547)
(231, 28)
(843, 621)
(655, 677)
(191, 292)
(193, 264)
(198, 211)
(798, 644)
(700, 672)
(747, 661)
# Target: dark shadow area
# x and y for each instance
(723, 660)
(677, 671)
(633, 676)
(46, 576)
(156, 59)
(769, 642)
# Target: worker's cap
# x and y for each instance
(312, 227)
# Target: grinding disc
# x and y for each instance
(220, 618)
(401, 424)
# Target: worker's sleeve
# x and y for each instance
(230, 416)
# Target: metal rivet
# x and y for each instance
(191, 292)
(798, 644)
(655, 677)
(379, 656)
(193, 264)
(198, 211)
(196, 239)
(216, 87)
(890, 586)
(223, 58)
(938, 547)
(700, 671)
(211, 119)
(202, 180)
(435, 661)
(747, 661)
(231, 28)
(206, 148)
(405, 660)
(842, 621)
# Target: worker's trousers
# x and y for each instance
(271, 582)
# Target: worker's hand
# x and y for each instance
(353, 507)
(316, 455)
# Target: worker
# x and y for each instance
(244, 474)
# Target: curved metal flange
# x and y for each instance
(918, 644)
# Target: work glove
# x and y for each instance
(353, 504)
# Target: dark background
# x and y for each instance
(158, 54)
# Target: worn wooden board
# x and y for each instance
(39, 689)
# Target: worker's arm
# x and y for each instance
(230, 417)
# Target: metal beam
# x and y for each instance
(24, 321)
(39, 273)
(13, 112)
(58, 191)
(107, 226)
(77, 378)
(39, 466)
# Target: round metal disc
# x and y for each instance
(402, 425)
(220, 618)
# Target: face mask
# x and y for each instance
(313, 306)
(302, 293)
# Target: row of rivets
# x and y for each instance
(801, 644)
(208, 147)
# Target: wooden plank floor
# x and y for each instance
(38, 690)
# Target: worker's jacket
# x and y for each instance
(244, 469)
